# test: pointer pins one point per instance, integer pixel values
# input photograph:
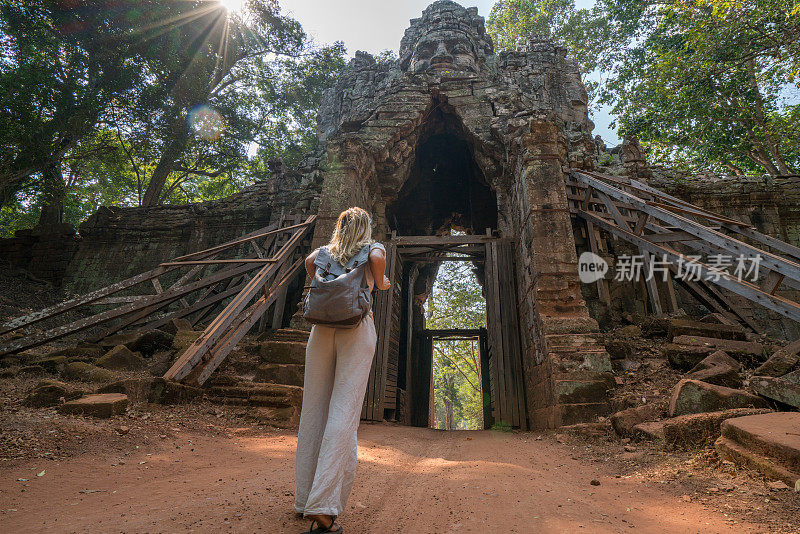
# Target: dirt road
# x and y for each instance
(409, 479)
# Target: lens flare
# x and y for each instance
(206, 122)
(233, 6)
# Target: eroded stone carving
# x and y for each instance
(447, 36)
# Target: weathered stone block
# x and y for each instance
(777, 389)
(624, 421)
(120, 358)
(686, 357)
(719, 369)
(693, 396)
(280, 373)
(183, 339)
(681, 327)
(283, 352)
(744, 351)
(695, 430)
(156, 390)
(49, 393)
(781, 362)
(102, 405)
(52, 364)
(87, 372)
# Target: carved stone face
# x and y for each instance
(444, 49)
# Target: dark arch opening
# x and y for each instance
(446, 188)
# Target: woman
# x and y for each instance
(338, 361)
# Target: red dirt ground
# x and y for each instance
(409, 479)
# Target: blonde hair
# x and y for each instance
(353, 231)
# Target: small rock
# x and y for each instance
(595, 482)
(122, 430)
(777, 485)
(630, 448)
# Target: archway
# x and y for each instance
(445, 210)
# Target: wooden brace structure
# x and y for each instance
(276, 254)
(682, 236)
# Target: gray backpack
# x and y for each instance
(339, 296)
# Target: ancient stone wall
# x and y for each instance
(43, 252)
(121, 242)
(770, 205)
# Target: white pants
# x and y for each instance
(336, 374)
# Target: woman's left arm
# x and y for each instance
(377, 264)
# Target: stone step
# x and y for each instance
(283, 352)
(280, 373)
(255, 400)
(247, 390)
(290, 334)
(773, 436)
(286, 417)
(732, 451)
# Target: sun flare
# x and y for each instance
(233, 6)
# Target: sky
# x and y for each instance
(374, 26)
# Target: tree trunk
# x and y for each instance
(761, 120)
(448, 414)
(173, 150)
(53, 194)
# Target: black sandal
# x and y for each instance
(321, 529)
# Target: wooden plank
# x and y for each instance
(92, 296)
(510, 324)
(486, 388)
(441, 240)
(153, 303)
(217, 262)
(245, 239)
(246, 321)
(493, 317)
(602, 284)
(388, 322)
(775, 303)
(772, 262)
(220, 324)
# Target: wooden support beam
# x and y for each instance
(783, 306)
(241, 240)
(88, 298)
(452, 240)
(218, 262)
(244, 323)
(221, 324)
(772, 262)
(602, 285)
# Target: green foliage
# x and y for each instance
(583, 32)
(701, 83)
(456, 302)
(149, 101)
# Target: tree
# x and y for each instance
(60, 64)
(583, 32)
(701, 82)
(456, 302)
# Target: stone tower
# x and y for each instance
(454, 136)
